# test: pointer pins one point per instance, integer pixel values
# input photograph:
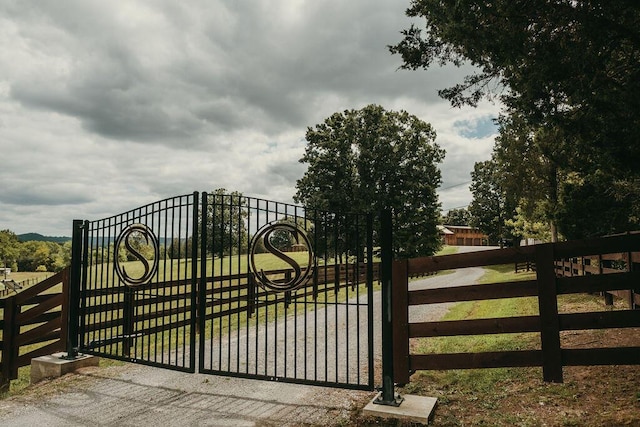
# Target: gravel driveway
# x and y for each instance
(136, 395)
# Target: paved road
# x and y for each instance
(135, 395)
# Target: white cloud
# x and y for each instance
(107, 106)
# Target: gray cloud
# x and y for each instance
(107, 106)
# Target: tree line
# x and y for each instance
(33, 255)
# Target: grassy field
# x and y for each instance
(31, 277)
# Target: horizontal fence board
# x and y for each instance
(38, 299)
(495, 359)
(600, 320)
(471, 259)
(153, 315)
(38, 332)
(162, 328)
(23, 296)
(505, 325)
(601, 356)
(608, 245)
(103, 308)
(162, 299)
(474, 292)
(49, 336)
(103, 325)
(598, 283)
(25, 359)
(44, 317)
(43, 307)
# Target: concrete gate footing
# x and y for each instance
(55, 365)
(417, 409)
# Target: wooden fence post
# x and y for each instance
(400, 322)
(9, 347)
(548, 305)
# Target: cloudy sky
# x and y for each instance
(106, 106)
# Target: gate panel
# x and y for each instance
(286, 293)
(138, 293)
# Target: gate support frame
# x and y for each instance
(74, 290)
(388, 395)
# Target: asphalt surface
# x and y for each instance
(136, 395)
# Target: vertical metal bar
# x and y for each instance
(336, 280)
(387, 397)
(202, 289)
(370, 297)
(238, 281)
(194, 321)
(256, 299)
(83, 281)
(74, 290)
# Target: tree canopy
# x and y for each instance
(456, 217)
(568, 75)
(570, 64)
(371, 159)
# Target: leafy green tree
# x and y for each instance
(580, 204)
(9, 248)
(491, 205)
(226, 227)
(456, 217)
(371, 159)
(589, 208)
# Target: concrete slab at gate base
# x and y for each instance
(417, 409)
(54, 365)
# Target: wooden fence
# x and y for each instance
(224, 296)
(604, 264)
(33, 324)
(33, 321)
(546, 287)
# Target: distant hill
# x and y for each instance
(27, 237)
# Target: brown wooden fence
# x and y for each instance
(228, 300)
(33, 324)
(546, 287)
(604, 264)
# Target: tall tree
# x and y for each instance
(226, 228)
(491, 205)
(371, 159)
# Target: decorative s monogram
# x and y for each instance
(300, 276)
(126, 237)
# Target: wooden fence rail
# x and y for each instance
(33, 324)
(546, 287)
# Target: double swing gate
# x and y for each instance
(229, 285)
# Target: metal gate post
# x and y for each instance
(74, 290)
(388, 395)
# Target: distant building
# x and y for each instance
(462, 235)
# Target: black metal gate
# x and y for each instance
(272, 290)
